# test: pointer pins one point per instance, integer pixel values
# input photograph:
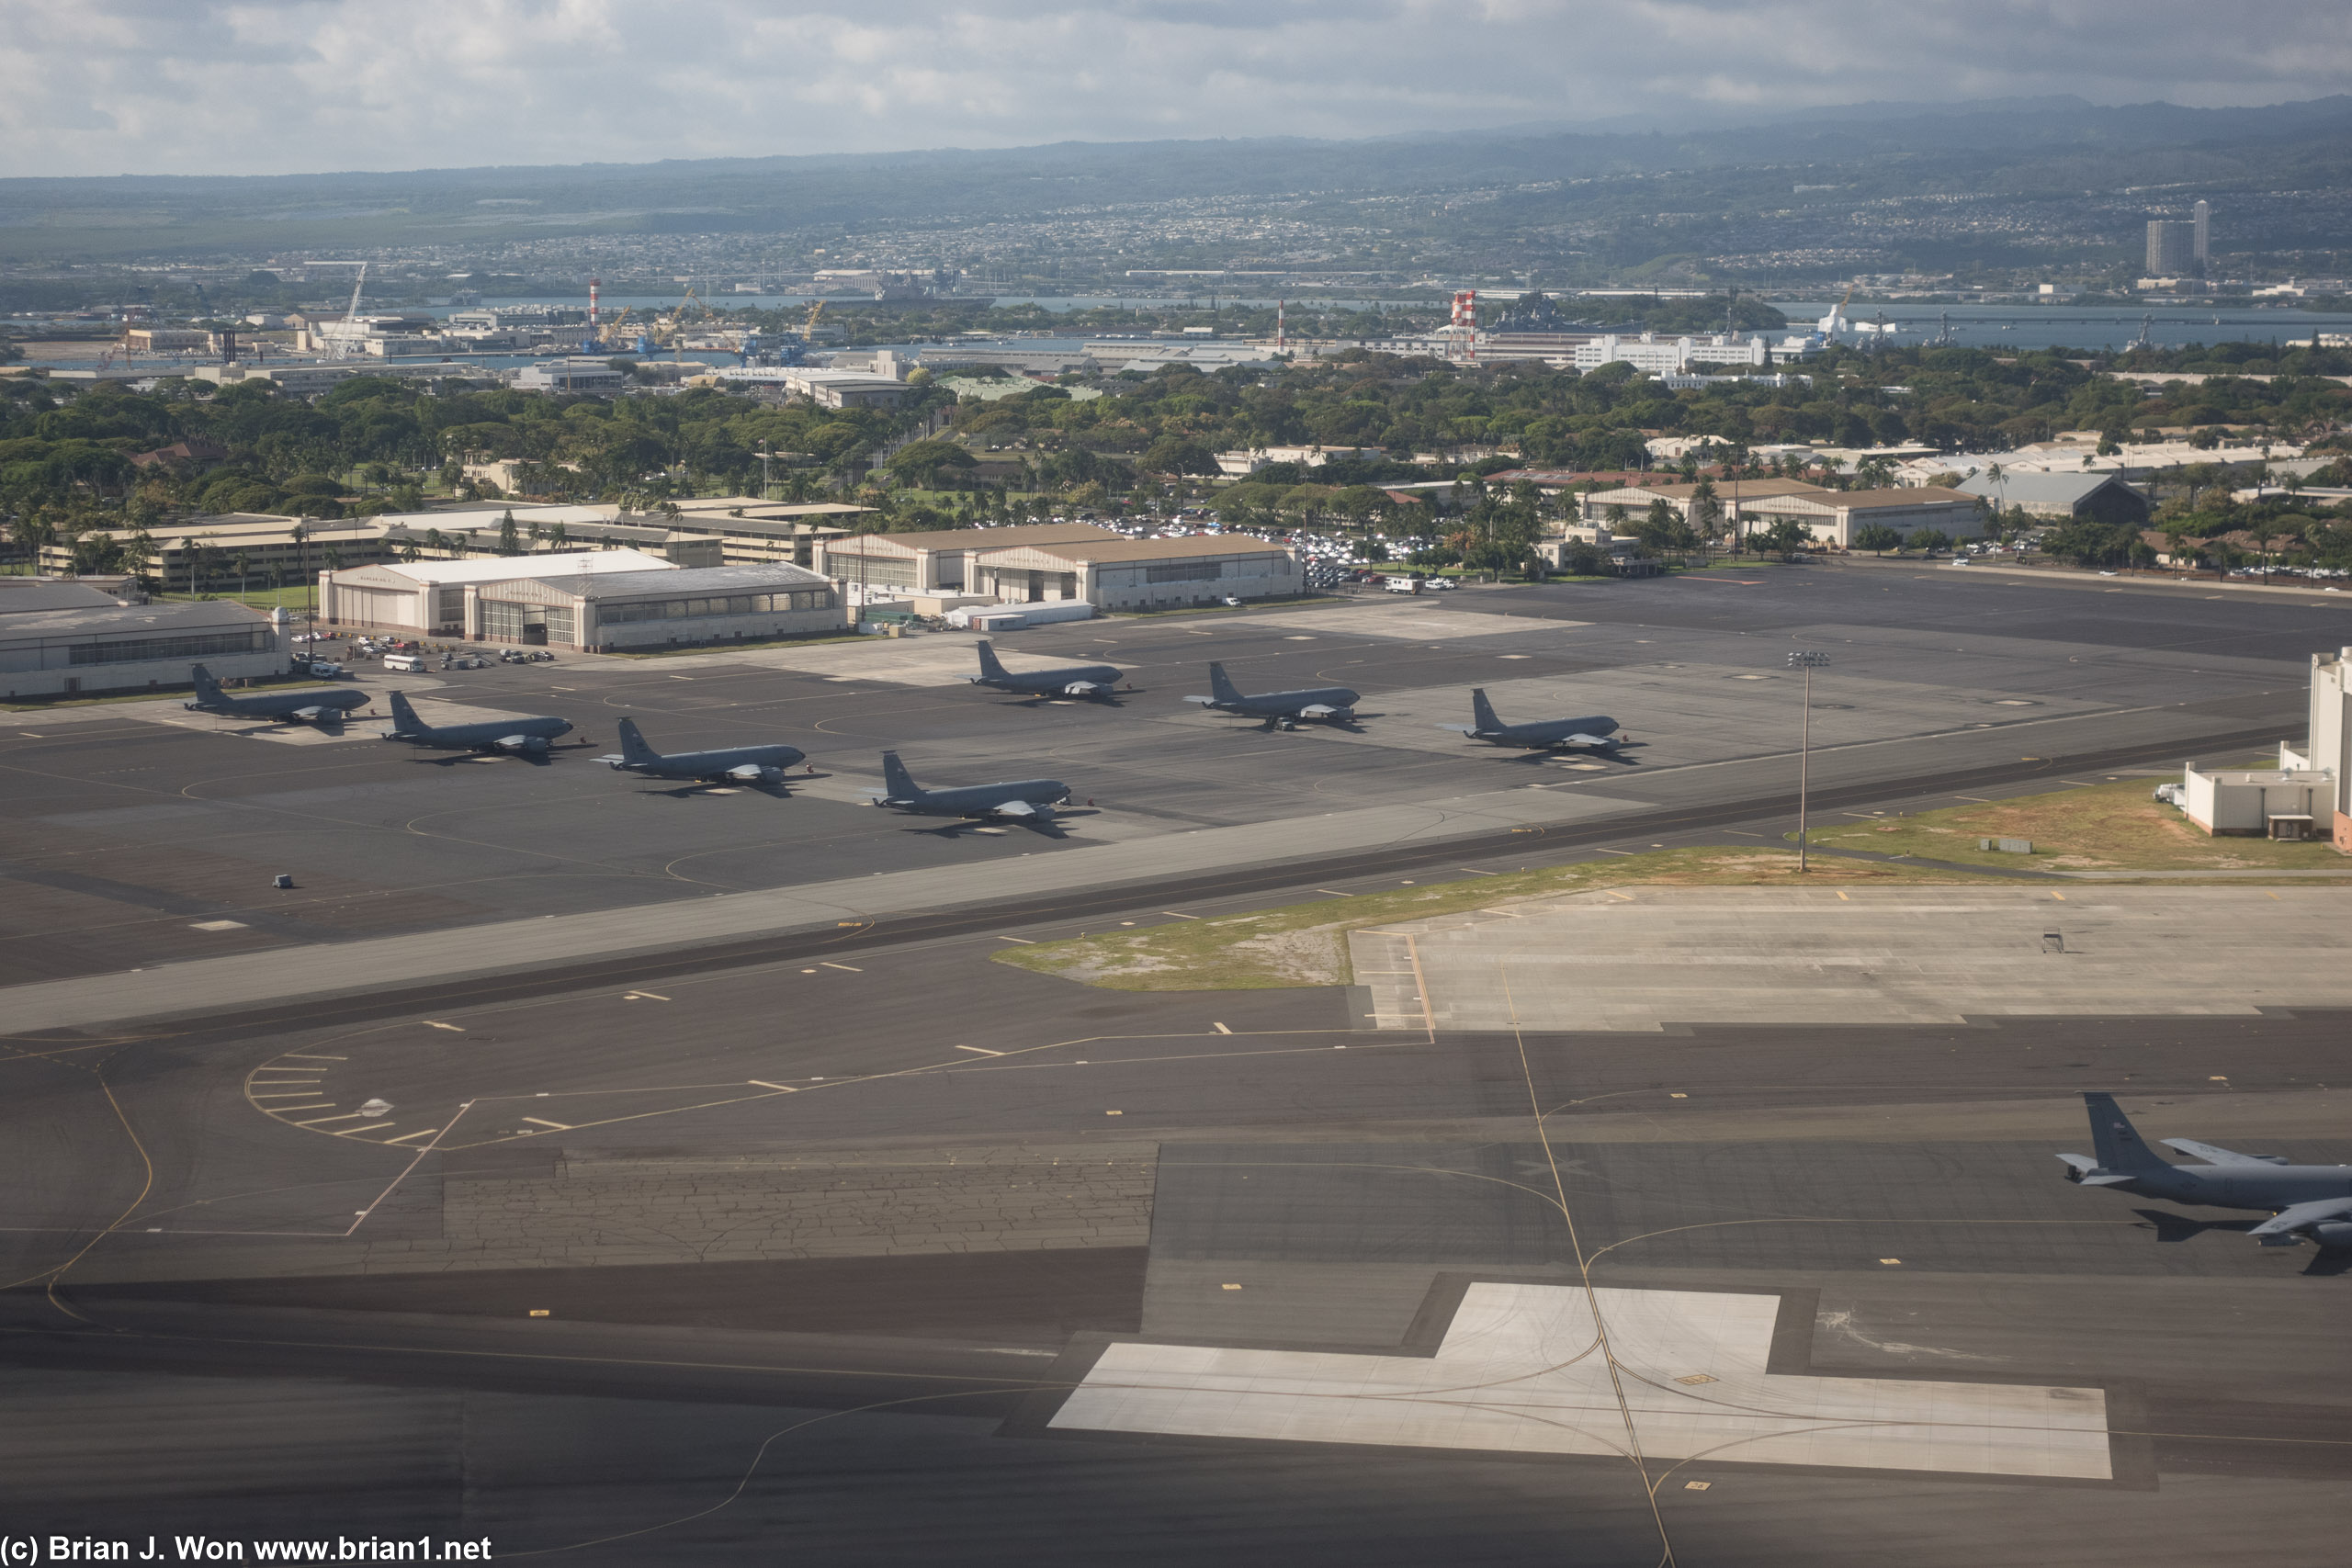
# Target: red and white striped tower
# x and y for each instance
(1465, 321)
(591, 306)
(1278, 323)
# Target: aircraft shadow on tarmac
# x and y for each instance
(1043, 826)
(2172, 1229)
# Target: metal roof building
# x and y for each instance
(68, 650)
(1119, 573)
(2096, 497)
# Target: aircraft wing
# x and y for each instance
(1205, 701)
(1459, 728)
(1581, 739)
(2280, 1228)
(613, 757)
(749, 773)
(2212, 1156)
(312, 715)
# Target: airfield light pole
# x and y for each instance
(1806, 660)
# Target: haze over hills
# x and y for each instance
(1818, 192)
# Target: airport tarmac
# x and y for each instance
(827, 1241)
(144, 835)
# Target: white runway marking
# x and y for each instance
(1522, 1369)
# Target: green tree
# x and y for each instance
(510, 538)
(1929, 540)
(1877, 538)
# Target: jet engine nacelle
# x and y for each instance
(535, 745)
(1085, 689)
(755, 774)
(1324, 711)
(2336, 1233)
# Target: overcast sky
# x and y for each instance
(274, 86)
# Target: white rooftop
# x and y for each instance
(539, 563)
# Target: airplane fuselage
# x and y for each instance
(2251, 1186)
(715, 766)
(1550, 733)
(289, 706)
(1285, 705)
(484, 737)
(1077, 680)
(980, 800)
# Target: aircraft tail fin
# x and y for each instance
(991, 666)
(1482, 712)
(208, 690)
(2116, 1141)
(404, 717)
(901, 782)
(1221, 685)
(633, 745)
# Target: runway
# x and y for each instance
(828, 1228)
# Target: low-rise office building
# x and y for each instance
(84, 643)
(1834, 516)
(894, 565)
(1118, 573)
(1734, 498)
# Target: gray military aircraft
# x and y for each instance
(734, 764)
(1029, 801)
(1598, 731)
(1070, 681)
(311, 708)
(1324, 704)
(521, 736)
(2313, 1201)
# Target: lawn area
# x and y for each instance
(1306, 944)
(2112, 826)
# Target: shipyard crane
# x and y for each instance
(338, 346)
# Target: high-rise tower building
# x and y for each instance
(2172, 248)
(2203, 220)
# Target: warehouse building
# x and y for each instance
(616, 612)
(65, 639)
(1834, 516)
(2064, 498)
(1117, 573)
(894, 565)
(585, 600)
(440, 598)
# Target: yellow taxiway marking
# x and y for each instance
(2060, 897)
(437, 1023)
(981, 1049)
(291, 1094)
(313, 1057)
(829, 964)
(779, 1088)
(543, 1121)
(1173, 914)
(322, 1121)
(644, 997)
(371, 1127)
(404, 1137)
(1022, 939)
(1221, 1029)
(282, 1110)
(1843, 900)
(1627, 896)
(1335, 893)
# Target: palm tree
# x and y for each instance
(245, 567)
(189, 549)
(301, 534)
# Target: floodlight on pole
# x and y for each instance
(1807, 660)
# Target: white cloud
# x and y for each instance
(254, 86)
